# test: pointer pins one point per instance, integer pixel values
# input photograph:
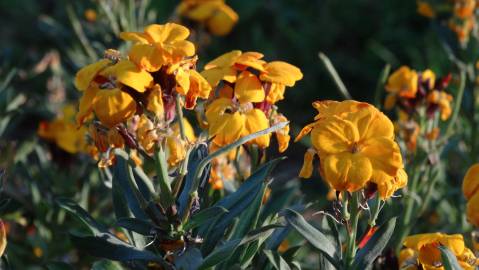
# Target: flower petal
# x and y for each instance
(346, 171)
(384, 155)
(334, 135)
(85, 76)
(256, 121)
(248, 88)
(281, 72)
(113, 107)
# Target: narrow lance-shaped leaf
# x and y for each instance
(313, 236)
(375, 245)
(73, 208)
(449, 260)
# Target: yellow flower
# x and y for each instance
(470, 184)
(218, 17)
(403, 83)
(443, 101)
(408, 259)
(64, 132)
(282, 135)
(107, 87)
(464, 8)
(158, 45)
(355, 143)
(229, 121)
(90, 15)
(425, 9)
(425, 247)
(3, 238)
(472, 210)
(273, 76)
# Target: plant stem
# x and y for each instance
(351, 244)
(179, 116)
(405, 227)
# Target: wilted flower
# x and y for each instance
(64, 132)
(356, 147)
(218, 17)
(422, 249)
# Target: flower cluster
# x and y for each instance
(416, 94)
(355, 144)
(470, 188)
(422, 250)
(247, 89)
(63, 132)
(460, 13)
(133, 100)
(215, 15)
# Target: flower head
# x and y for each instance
(356, 147)
(470, 188)
(243, 104)
(64, 132)
(218, 17)
(424, 249)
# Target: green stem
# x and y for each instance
(351, 247)
(375, 211)
(405, 227)
(179, 115)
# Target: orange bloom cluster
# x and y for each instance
(248, 87)
(133, 100)
(461, 14)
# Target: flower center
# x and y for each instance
(355, 148)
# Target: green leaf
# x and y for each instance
(247, 221)
(121, 175)
(145, 185)
(190, 259)
(278, 200)
(205, 215)
(228, 248)
(106, 265)
(105, 245)
(143, 227)
(313, 236)
(73, 208)
(166, 197)
(58, 266)
(449, 260)
(196, 155)
(204, 163)
(366, 256)
(276, 260)
(236, 203)
(329, 228)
